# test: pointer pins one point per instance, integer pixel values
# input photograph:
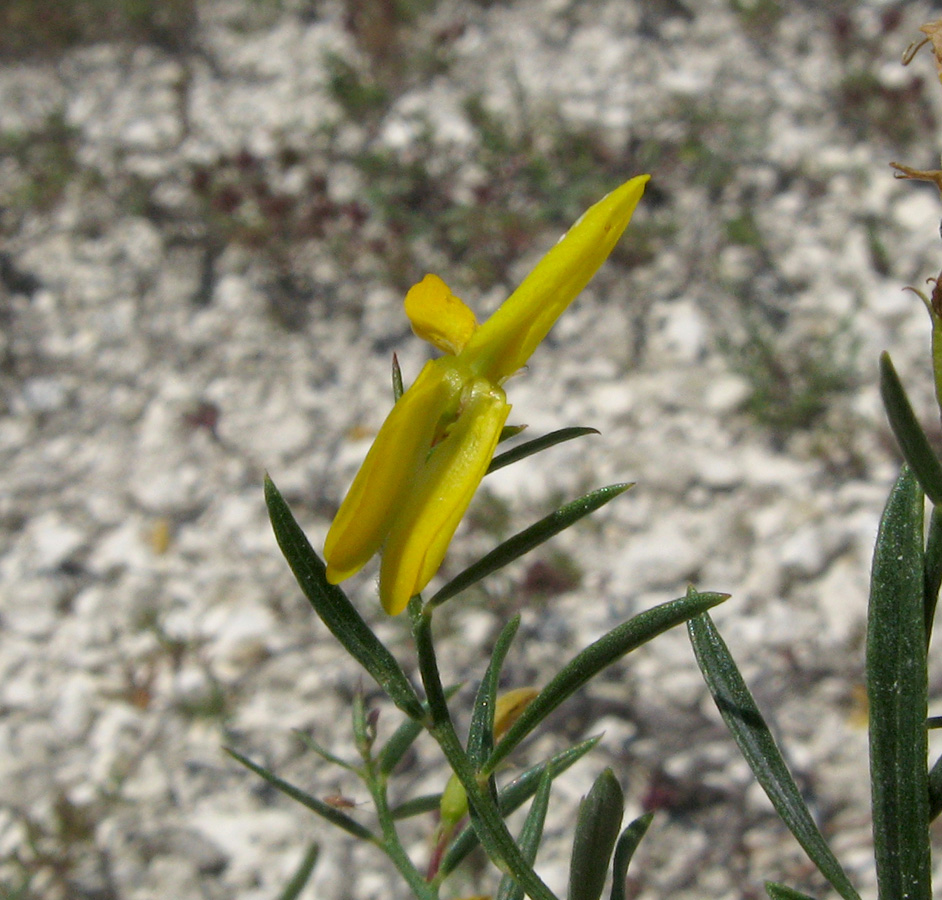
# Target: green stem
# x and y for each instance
(492, 831)
(391, 845)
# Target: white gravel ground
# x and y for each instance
(154, 364)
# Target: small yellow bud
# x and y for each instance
(510, 707)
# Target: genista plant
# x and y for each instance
(435, 447)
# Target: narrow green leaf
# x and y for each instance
(913, 443)
(311, 744)
(481, 731)
(303, 874)
(530, 835)
(597, 656)
(526, 540)
(334, 609)
(513, 796)
(325, 810)
(782, 892)
(417, 806)
(625, 850)
(897, 685)
(488, 822)
(933, 568)
(536, 445)
(398, 745)
(745, 722)
(404, 737)
(396, 379)
(597, 826)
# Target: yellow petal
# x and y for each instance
(435, 504)
(503, 344)
(390, 469)
(438, 316)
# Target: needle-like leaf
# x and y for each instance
(745, 722)
(528, 448)
(530, 836)
(624, 850)
(783, 892)
(302, 875)
(912, 440)
(524, 541)
(897, 685)
(325, 810)
(481, 732)
(597, 656)
(335, 610)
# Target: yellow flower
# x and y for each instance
(437, 441)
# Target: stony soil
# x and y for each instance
(205, 241)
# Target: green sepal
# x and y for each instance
(525, 541)
(597, 826)
(325, 810)
(513, 796)
(752, 734)
(912, 440)
(782, 892)
(530, 835)
(897, 685)
(597, 656)
(536, 445)
(624, 850)
(302, 874)
(335, 610)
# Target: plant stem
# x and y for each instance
(492, 831)
(391, 845)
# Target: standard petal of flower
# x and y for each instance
(426, 523)
(389, 470)
(438, 316)
(504, 343)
